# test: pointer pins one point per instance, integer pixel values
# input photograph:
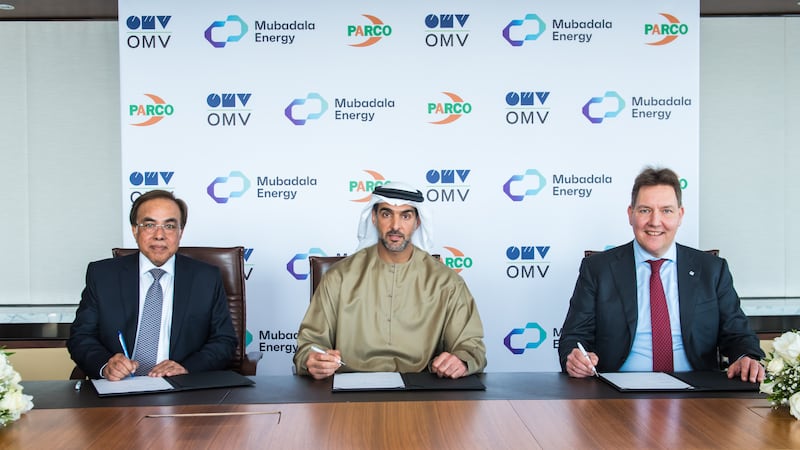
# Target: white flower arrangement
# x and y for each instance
(782, 381)
(13, 403)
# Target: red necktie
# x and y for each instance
(659, 320)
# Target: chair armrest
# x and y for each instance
(250, 363)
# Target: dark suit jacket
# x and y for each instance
(202, 335)
(603, 310)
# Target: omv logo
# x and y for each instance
(223, 189)
(520, 186)
(363, 188)
(147, 23)
(372, 33)
(606, 107)
(153, 178)
(221, 32)
(453, 109)
(665, 32)
(302, 109)
(302, 272)
(530, 337)
(531, 27)
(150, 114)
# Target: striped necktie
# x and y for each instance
(150, 326)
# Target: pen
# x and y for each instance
(586, 355)
(319, 350)
(122, 343)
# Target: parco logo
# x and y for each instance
(152, 113)
(302, 109)
(148, 31)
(447, 185)
(221, 32)
(223, 189)
(534, 182)
(665, 32)
(458, 261)
(612, 103)
(302, 272)
(373, 33)
(453, 109)
(537, 335)
(446, 30)
(363, 188)
(531, 27)
(233, 109)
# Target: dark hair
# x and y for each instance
(158, 193)
(656, 177)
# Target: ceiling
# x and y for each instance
(107, 9)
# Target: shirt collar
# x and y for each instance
(145, 265)
(641, 255)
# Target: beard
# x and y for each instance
(397, 248)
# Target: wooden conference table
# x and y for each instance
(517, 410)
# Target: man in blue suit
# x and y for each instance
(610, 310)
(195, 333)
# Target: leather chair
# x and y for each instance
(230, 261)
(319, 265)
(586, 253)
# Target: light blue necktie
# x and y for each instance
(150, 326)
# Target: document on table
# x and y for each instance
(644, 381)
(367, 381)
(132, 385)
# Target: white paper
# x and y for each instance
(645, 380)
(131, 385)
(367, 380)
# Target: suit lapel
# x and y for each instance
(129, 293)
(180, 299)
(688, 277)
(624, 272)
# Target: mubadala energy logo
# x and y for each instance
(581, 186)
(360, 109)
(281, 32)
(658, 108)
(283, 188)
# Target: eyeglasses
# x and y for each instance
(150, 228)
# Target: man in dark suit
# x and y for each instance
(610, 309)
(194, 329)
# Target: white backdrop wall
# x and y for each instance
(274, 121)
(64, 210)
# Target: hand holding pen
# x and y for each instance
(322, 364)
(586, 355)
(120, 365)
